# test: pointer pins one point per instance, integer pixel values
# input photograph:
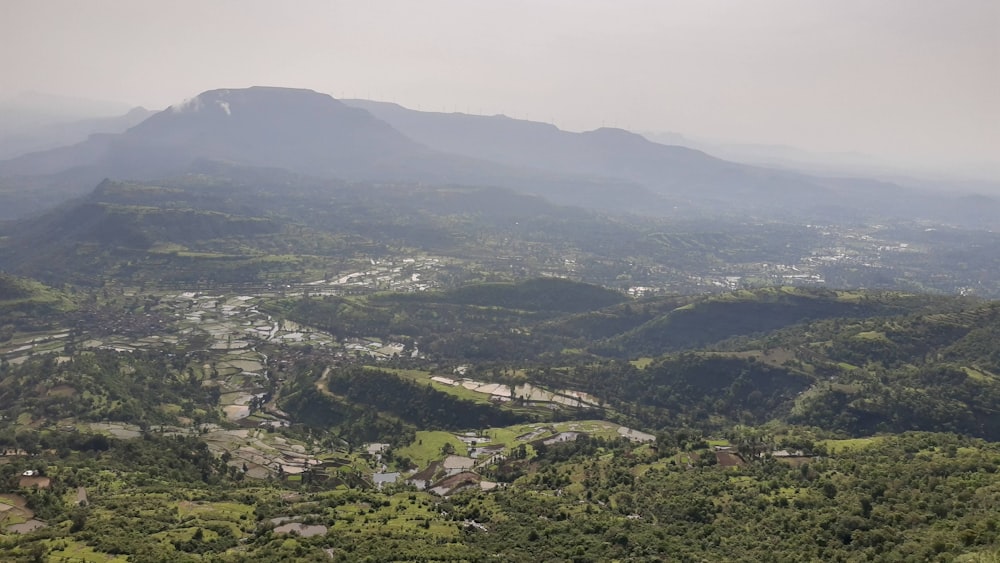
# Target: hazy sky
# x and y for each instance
(915, 80)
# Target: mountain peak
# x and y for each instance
(292, 128)
(224, 100)
(295, 129)
(617, 135)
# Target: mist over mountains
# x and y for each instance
(672, 170)
(610, 152)
(313, 134)
(28, 110)
(297, 130)
(14, 142)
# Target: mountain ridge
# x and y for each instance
(302, 131)
(679, 172)
(313, 134)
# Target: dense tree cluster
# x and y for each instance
(420, 405)
(107, 385)
(918, 496)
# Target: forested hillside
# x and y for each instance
(914, 496)
(541, 419)
(26, 304)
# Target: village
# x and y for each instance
(234, 332)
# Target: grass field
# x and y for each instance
(979, 375)
(872, 335)
(428, 446)
(850, 444)
(78, 552)
(641, 363)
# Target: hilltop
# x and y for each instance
(26, 303)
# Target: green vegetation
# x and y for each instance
(236, 365)
(107, 385)
(916, 495)
(850, 444)
(429, 445)
(26, 305)
(709, 320)
(238, 425)
(418, 404)
(220, 228)
(545, 294)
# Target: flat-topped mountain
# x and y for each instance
(301, 131)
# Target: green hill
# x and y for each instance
(546, 480)
(709, 320)
(932, 371)
(541, 294)
(26, 304)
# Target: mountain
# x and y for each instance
(973, 175)
(686, 175)
(312, 134)
(298, 130)
(609, 152)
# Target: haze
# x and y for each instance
(910, 82)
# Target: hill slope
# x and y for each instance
(27, 304)
(712, 319)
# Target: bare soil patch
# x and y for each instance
(304, 530)
(62, 391)
(26, 527)
(728, 459)
(39, 482)
(17, 501)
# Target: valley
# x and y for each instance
(282, 405)
(226, 338)
(408, 337)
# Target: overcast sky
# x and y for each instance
(907, 80)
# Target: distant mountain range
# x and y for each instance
(17, 142)
(298, 130)
(315, 135)
(682, 172)
(29, 110)
(608, 152)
